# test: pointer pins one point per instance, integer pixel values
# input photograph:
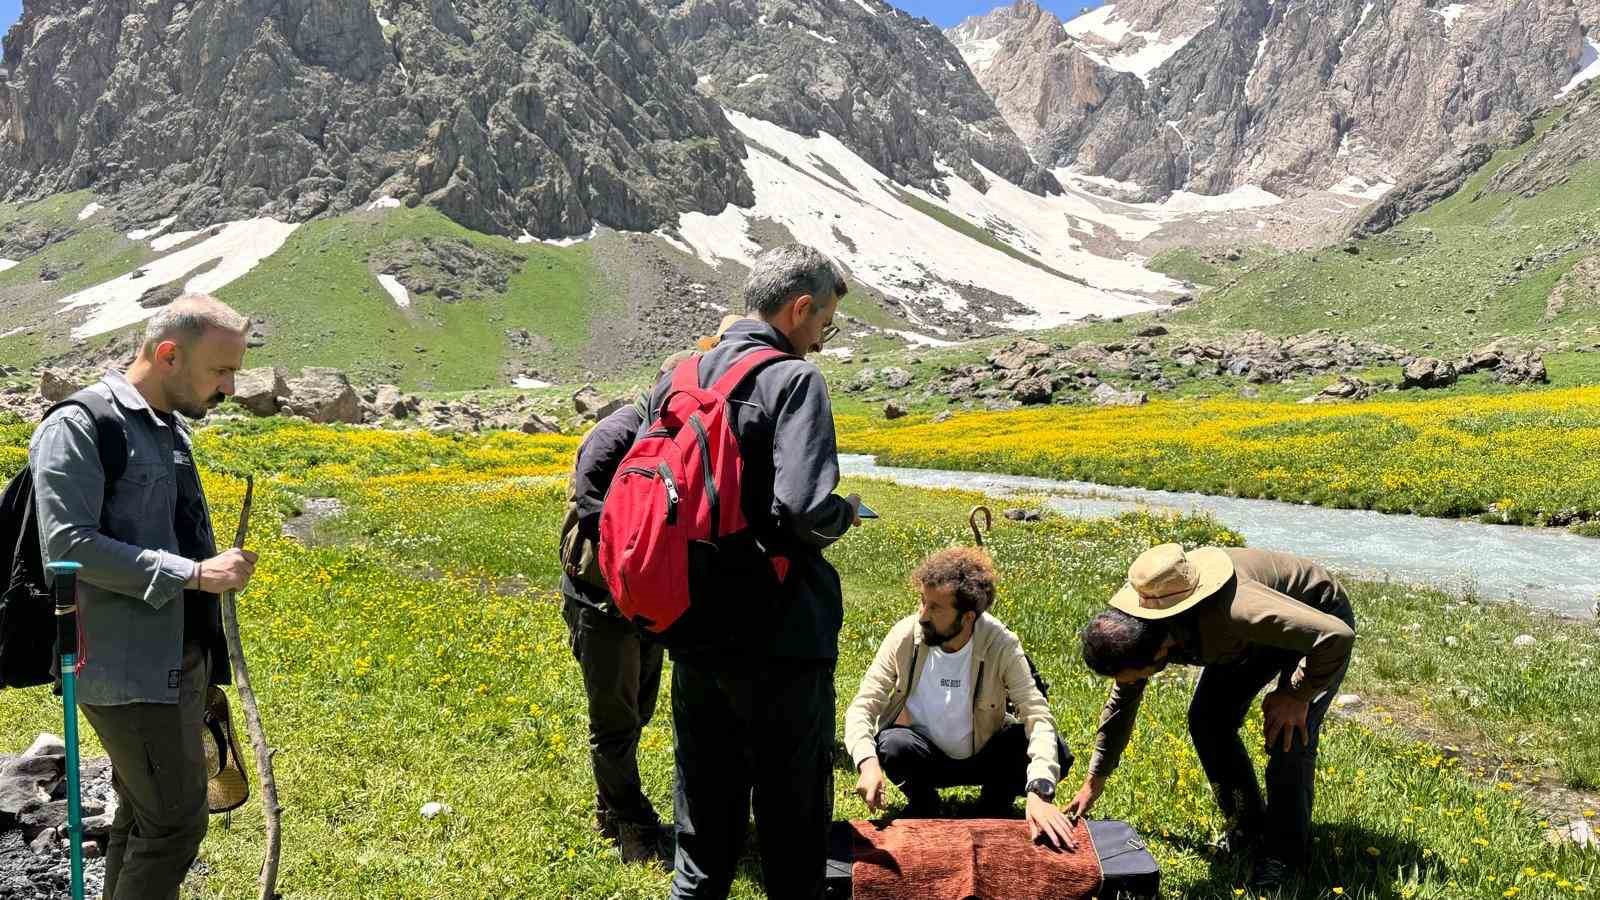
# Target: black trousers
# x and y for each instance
(753, 737)
(919, 768)
(622, 677)
(1222, 699)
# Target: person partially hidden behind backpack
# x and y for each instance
(754, 722)
(151, 630)
(621, 667)
(932, 708)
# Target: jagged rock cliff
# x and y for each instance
(507, 115)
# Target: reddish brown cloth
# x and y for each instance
(957, 859)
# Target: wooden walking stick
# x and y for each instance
(252, 713)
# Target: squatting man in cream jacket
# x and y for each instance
(932, 708)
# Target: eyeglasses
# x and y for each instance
(830, 332)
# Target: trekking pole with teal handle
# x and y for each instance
(64, 579)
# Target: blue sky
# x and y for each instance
(944, 12)
(950, 12)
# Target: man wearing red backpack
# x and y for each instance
(753, 723)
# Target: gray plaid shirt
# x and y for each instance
(131, 596)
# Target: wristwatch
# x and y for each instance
(1043, 788)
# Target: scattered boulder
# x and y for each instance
(1151, 331)
(1106, 395)
(1428, 372)
(1526, 369)
(434, 810)
(943, 417)
(161, 295)
(55, 387)
(588, 402)
(1524, 641)
(1347, 387)
(388, 401)
(1347, 701)
(260, 390)
(27, 781)
(1032, 391)
(1018, 354)
(895, 378)
(324, 396)
(893, 410)
(536, 424)
(1023, 515)
(593, 407)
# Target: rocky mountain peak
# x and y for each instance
(1155, 96)
(545, 118)
(886, 84)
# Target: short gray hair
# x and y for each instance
(187, 318)
(784, 273)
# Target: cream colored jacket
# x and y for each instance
(1000, 673)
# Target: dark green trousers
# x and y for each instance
(1222, 699)
(622, 678)
(158, 769)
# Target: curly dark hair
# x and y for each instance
(1114, 641)
(966, 570)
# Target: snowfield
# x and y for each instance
(911, 256)
(237, 247)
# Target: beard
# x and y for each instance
(932, 637)
(197, 409)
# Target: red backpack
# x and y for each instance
(680, 559)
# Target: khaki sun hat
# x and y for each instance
(1164, 581)
(227, 788)
(728, 321)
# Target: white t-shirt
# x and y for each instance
(942, 700)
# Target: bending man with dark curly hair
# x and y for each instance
(951, 700)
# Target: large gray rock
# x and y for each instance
(1018, 355)
(1346, 388)
(324, 396)
(536, 424)
(1428, 372)
(390, 402)
(895, 378)
(1106, 395)
(55, 387)
(260, 390)
(548, 117)
(1032, 391)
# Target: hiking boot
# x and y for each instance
(1269, 874)
(605, 824)
(645, 843)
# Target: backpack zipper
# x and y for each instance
(663, 472)
(667, 482)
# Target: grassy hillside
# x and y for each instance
(325, 306)
(322, 302)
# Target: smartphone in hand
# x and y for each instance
(866, 512)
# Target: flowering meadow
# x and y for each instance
(414, 652)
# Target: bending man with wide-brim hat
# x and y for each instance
(1249, 617)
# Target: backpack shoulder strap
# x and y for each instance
(110, 439)
(744, 368)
